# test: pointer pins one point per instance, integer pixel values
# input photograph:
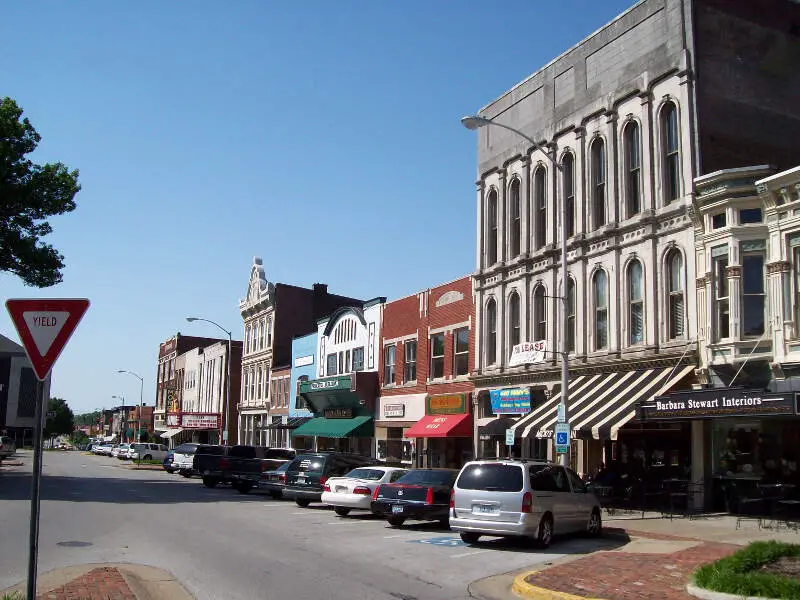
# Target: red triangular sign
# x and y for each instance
(44, 327)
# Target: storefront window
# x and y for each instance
(763, 449)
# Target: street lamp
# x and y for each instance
(123, 429)
(141, 404)
(228, 377)
(473, 122)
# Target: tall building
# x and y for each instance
(19, 391)
(626, 121)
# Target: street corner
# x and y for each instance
(525, 589)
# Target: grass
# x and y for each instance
(13, 596)
(740, 572)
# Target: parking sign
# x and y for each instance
(562, 438)
(509, 437)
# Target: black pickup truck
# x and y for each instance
(240, 466)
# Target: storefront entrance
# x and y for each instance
(446, 431)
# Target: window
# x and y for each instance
(461, 354)
(753, 293)
(600, 310)
(671, 162)
(796, 256)
(263, 334)
(410, 362)
(675, 291)
(358, 359)
(568, 183)
(539, 314)
(721, 298)
(300, 402)
(260, 382)
(540, 206)
(496, 477)
(437, 356)
(598, 183)
(491, 332)
(491, 250)
(332, 363)
(515, 218)
(252, 383)
(256, 335)
(633, 168)
(718, 221)
(269, 333)
(247, 339)
(749, 215)
(635, 304)
(388, 364)
(246, 383)
(513, 316)
(571, 305)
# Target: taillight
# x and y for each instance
(322, 480)
(263, 467)
(527, 502)
(452, 498)
(223, 463)
(376, 492)
(326, 488)
(429, 496)
(282, 477)
(361, 491)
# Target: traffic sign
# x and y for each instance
(44, 327)
(51, 414)
(509, 437)
(562, 438)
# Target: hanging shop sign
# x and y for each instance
(338, 413)
(446, 404)
(343, 382)
(721, 402)
(528, 353)
(511, 401)
(394, 410)
(190, 421)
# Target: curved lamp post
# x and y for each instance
(228, 377)
(141, 396)
(474, 122)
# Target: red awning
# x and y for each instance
(438, 426)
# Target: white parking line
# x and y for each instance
(463, 554)
(390, 537)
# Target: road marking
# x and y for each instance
(463, 554)
(300, 513)
(391, 537)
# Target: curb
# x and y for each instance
(705, 594)
(522, 588)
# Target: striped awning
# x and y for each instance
(598, 405)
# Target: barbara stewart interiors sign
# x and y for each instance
(722, 402)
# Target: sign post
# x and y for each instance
(509, 440)
(44, 327)
(562, 438)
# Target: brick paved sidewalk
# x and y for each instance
(619, 575)
(105, 583)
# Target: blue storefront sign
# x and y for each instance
(511, 401)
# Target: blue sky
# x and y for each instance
(322, 136)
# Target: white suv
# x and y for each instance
(526, 498)
(147, 452)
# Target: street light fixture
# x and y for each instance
(141, 404)
(474, 122)
(228, 377)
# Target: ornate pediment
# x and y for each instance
(449, 297)
(259, 290)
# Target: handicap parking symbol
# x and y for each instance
(562, 438)
(440, 541)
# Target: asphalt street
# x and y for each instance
(224, 545)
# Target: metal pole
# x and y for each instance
(139, 422)
(33, 543)
(227, 392)
(564, 458)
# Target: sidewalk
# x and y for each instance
(106, 582)
(655, 564)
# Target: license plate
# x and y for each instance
(301, 480)
(340, 489)
(483, 509)
(397, 509)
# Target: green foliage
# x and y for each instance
(29, 194)
(88, 418)
(63, 422)
(740, 572)
(13, 596)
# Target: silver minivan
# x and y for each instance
(527, 498)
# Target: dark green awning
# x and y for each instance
(337, 428)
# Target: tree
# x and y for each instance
(29, 193)
(63, 422)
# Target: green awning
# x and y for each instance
(337, 428)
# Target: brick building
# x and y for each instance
(424, 414)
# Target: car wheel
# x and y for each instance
(396, 521)
(186, 474)
(302, 502)
(544, 536)
(244, 488)
(341, 511)
(276, 495)
(210, 482)
(470, 538)
(594, 528)
(148, 457)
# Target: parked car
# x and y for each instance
(354, 490)
(273, 482)
(183, 457)
(307, 473)
(420, 494)
(7, 447)
(102, 448)
(147, 451)
(120, 448)
(245, 465)
(210, 463)
(534, 499)
(167, 463)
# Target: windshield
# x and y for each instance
(491, 477)
(368, 474)
(430, 477)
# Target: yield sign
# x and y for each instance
(45, 326)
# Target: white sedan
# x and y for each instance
(354, 490)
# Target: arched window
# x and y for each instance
(260, 383)
(600, 285)
(571, 306)
(513, 319)
(633, 169)
(635, 304)
(671, 152)
(491, 332)
(269, 333)
(247, 339)
(675, 291)
(491, 241)
(246, 384)
(539, 314)
(598, 183)
(568, 186)
(514, 215)
(540, 206)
